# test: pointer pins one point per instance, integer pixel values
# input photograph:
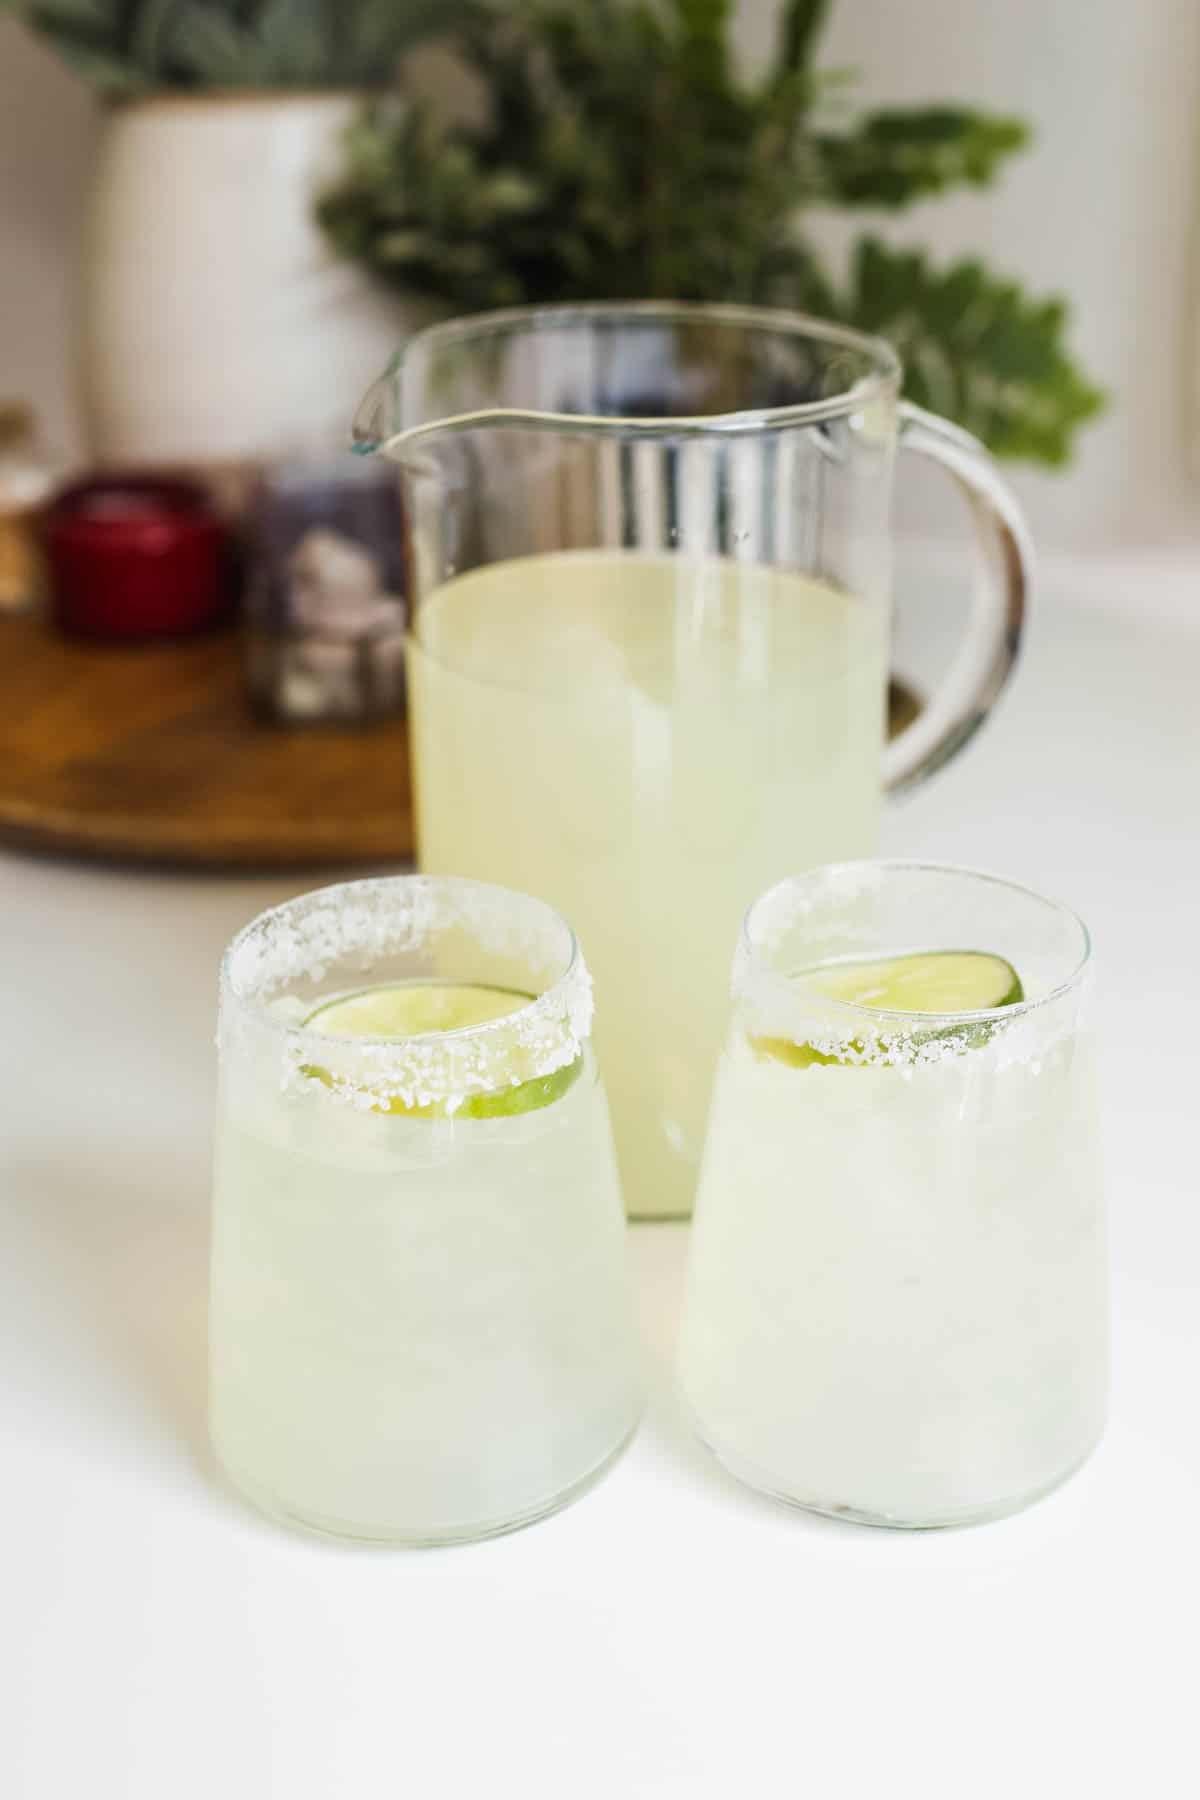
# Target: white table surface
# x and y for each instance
(671, 1634)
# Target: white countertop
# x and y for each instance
(671, 1634)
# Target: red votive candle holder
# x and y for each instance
(136, 556)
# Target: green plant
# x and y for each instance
(126, 47)
(622, 155)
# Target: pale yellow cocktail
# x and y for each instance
(646, 740)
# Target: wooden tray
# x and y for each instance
(149, 753)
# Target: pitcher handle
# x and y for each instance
(989, 650)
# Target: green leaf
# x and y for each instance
(209, 50)
(896, 157)
(974, 348)
(88, 35)
(365, 40)
(112, 76)
(799, 28)
(704, 25)
(97, 16)
(704, 21)
(291, 44)
(148, 33)
(127, 45)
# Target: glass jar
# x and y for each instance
(324, 596)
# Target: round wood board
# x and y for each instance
(150, 753)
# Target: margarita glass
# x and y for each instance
(420, 1323)
(897, 1301)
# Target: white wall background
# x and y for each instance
(1105, 207)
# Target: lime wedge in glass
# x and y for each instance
(937, 981)
(932, 981)
(425, 1008)
(414, 1009)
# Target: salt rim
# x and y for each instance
(368, 919)
(776, 1005)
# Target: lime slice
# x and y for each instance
(427, 1008)
(937, 981)
(506, 1103)
(413, 1009)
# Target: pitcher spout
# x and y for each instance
(377, 420)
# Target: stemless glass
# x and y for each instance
(420, 1326)
(897, 1298)
(648, 553)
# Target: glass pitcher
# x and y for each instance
(648, 553)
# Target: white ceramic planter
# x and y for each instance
(218, 325)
